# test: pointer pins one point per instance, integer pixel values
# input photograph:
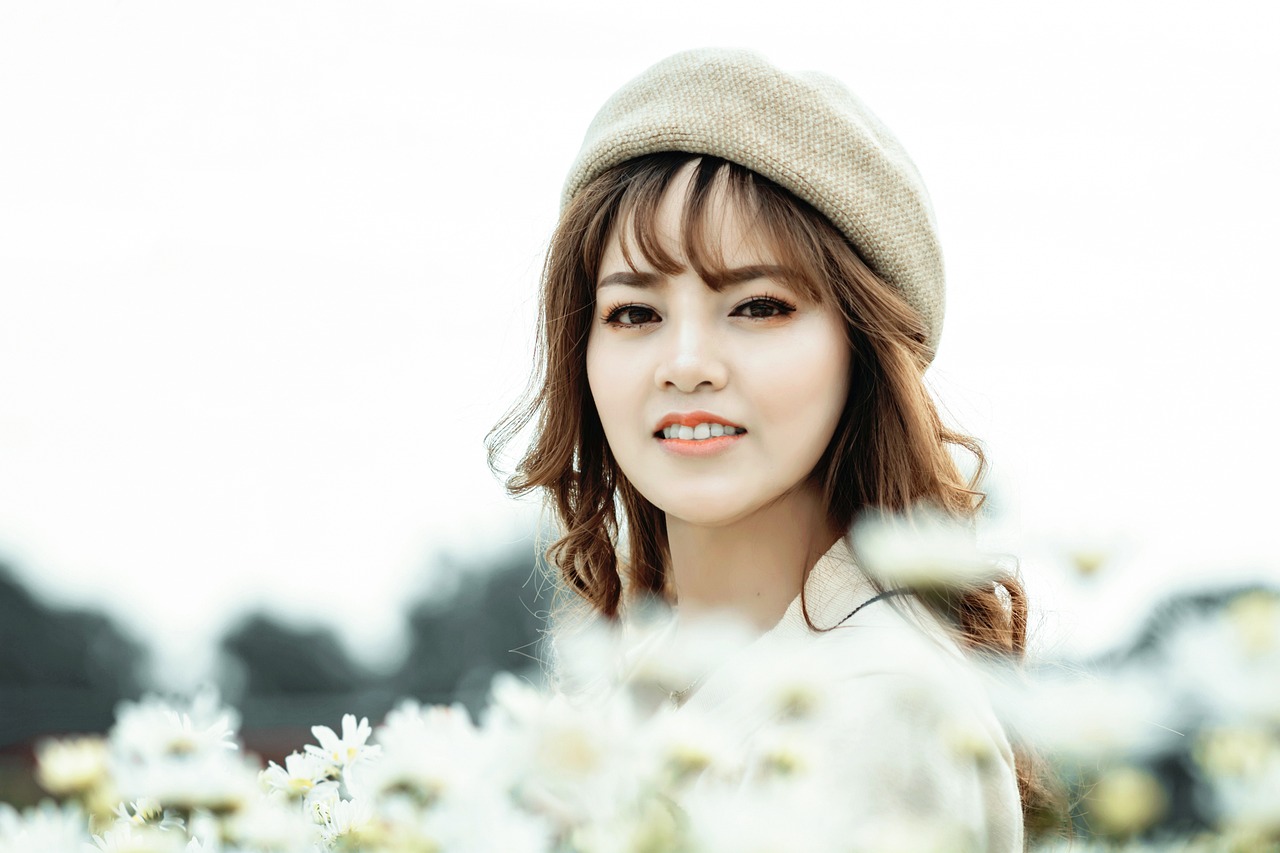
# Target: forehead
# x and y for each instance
(689, 221)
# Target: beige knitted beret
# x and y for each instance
(805, 132)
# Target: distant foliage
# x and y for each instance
(1172, 746)
(60, 669)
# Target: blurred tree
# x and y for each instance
(286, 678)
(276, 658)
(490, 624)
(61, 670)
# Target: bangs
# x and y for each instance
(768, 214)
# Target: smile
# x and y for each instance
(695, 426)
(700, 432)
(697, 433)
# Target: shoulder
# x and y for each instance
(894, 641)
(907, 711)
(898, 667)
(892, 637)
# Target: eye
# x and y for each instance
(763, 308)
(630, 315)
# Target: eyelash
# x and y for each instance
(782, 306)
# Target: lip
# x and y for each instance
(696, 447)
(690, 419)
(703, 447)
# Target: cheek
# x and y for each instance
(804, 388)
(595, 379)
(609, 383)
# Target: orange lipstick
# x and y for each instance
(706, 445)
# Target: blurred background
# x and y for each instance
(267, 276)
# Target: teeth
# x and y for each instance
(699, 432)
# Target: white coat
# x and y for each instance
(912, 735)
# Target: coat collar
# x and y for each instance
(834, 587)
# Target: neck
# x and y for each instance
(753, 567)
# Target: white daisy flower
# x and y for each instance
(922, 549)
(155, 728)
(1089, 718)
(218, 781)
(265, 824)
(428, 754)
(48, 828)
(680, 747)
(303, 777)
(347, 818)
(348, 750)
(125, 837)
(763, 819)
(505, 826)
(70, 767)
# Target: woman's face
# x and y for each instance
(714, 403)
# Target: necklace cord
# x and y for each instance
(886, 594)
(677, 696)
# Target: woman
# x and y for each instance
(738, 307)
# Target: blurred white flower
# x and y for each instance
(795, 681)
(149, 811)
(1124, 801)
(1243, 765)
(655, 653)
(679, 747)
(1252, 808)
(1088, 718)
(1227, 665)
(1256, 617)
(572, 763)
(217, 781)
(513, 702)
(566, 746)
(197, 846)
(785, 752)
(156, 728)
(126, 837)
(764, 819)
(653, 824)
(72, 766)
(428, 753)
(923, 549)
(587, 658)
(456, 825)
(672, 654)
(911, 833)
(347, 818)
(408, 722)
(47, 828)
(268, 825)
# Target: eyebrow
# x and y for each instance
(632, 278)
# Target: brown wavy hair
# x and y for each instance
(890, 451)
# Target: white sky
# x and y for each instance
(267, 275)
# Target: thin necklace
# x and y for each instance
(886, 594)
(677, 697)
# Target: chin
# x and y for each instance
(706, 512)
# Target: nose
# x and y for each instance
(692, 360)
